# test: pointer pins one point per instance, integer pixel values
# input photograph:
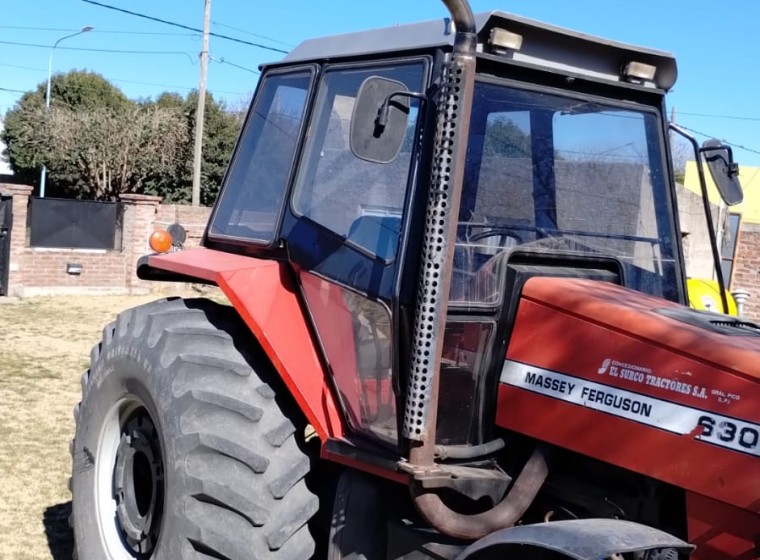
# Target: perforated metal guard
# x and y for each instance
(432, 292)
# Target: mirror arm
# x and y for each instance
(708, 213)
(733, 167)
(382, 113)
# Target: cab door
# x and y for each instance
(342, 231)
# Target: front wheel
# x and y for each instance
(185, 447)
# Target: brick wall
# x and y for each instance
(192, 218)
(20, 194)
(38, 271)
(746, 274)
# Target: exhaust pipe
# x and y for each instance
(503, 515)
(461, 15)
(454, 104)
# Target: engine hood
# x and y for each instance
(636, 381)
(713, 339)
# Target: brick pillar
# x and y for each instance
(139, 215)
(746, 275)
(20, 194)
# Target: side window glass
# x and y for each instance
(254, 190)
(359, 200)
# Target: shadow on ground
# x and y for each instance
(59, 534)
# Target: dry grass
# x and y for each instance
(44, 347)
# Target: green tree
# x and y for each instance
(80, 89)
(174, 184)
(221, 127)
(97, 143)
(504, 138)
(26, 146)
(220, 131)
(113, 151)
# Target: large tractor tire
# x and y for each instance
(186, 447)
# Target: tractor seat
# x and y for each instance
(378, 234)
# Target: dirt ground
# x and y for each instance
(44, 348)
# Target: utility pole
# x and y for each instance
(196, 198)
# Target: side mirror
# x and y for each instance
(379, 120)
(724, 171)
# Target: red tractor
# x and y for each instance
(458, 324)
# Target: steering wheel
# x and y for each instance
(473, 255)
(502, 233)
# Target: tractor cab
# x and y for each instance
(566, 173)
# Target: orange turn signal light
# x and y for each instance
(160, 241)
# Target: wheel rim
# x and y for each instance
(129, 482)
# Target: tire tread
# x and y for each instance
(254, 503)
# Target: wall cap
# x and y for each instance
(15, 190)
(750, 227)
(140, 199)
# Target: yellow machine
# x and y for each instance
(705, 295)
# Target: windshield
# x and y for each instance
(553, 174)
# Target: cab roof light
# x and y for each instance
(502, 40)
(635, 71)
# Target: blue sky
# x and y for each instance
(715, 44)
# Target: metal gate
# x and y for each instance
(6, 218)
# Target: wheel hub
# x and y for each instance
(139, 483)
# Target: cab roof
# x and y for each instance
(543, 45)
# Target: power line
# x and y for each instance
(747, 184)
(89, 49)
(172, 87)
(23, 67)
(733, 144)
(181, 26)
(734, 117)
(81, 87)
(120, 80)
(222, 60)
(250, 33)
(105, 31)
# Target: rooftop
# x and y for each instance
(543, 45)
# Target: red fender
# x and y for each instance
(264, 294)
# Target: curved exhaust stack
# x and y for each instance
(453, 104)
(465, 39)
(503, 515)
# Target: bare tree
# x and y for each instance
(682, 152)
(239, 108)
(113, 150)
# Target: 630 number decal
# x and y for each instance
(733, 434)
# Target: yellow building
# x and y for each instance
(738, 235)
(750, 180)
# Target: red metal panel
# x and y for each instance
(263, 293)
(634, 313)
(580, 328)
(678, 460)
(720, 531)
(334, 323)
